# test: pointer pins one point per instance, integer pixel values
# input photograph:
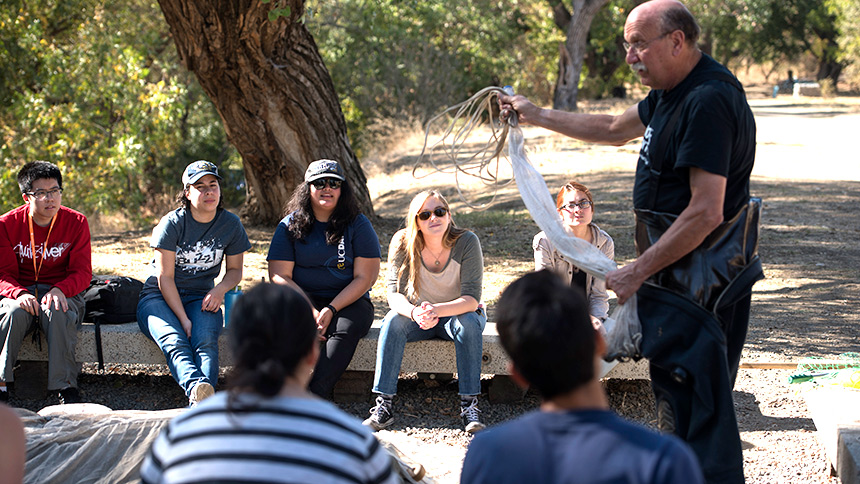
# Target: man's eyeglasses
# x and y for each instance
(643, 44)
(42, 195)
(333, 183)
(571, 206)
(439, 212)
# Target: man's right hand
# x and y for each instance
(526, 111)
(29, 303)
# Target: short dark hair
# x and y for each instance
(37, 170)
(271, 329)
(544, 327)
(677, 17)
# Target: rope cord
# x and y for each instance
(484, 163)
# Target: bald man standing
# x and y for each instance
(696, 224)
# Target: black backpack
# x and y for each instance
(110, 300)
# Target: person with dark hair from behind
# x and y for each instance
(544, 326)
(268, 427)
(45, 265)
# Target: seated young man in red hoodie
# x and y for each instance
(45, 265)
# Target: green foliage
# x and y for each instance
(771, 31)
(95, 87)
(605, 72)
(846, 13)
(277, 11)
(407, 59)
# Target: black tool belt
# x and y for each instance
(721, 269)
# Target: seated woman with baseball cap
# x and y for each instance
(180, 305)
(328, 251)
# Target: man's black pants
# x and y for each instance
(694, 359)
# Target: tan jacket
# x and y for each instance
(546, 257)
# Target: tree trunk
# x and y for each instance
(572, 51)
(273, 92)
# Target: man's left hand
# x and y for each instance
(55, 299)
(625, 282)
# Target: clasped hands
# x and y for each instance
(425, 315)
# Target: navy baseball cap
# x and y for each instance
(198, 170)
(323, 169)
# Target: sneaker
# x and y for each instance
(470, 413)
(201, 391)
(69, 395)
(381, 415)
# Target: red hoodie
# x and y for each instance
(68, 265)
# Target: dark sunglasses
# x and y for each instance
(333, 183)
(439, 212)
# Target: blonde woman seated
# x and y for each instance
(434, 289)
(576, 207)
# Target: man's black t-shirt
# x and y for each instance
(715, 132)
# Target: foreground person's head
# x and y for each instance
(273, 337)
(545, 328)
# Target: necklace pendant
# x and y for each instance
(437, 262)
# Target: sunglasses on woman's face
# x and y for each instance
(333, 183)
(439, 212)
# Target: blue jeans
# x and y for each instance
(465, 330)
(191, 360)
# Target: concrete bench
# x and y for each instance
(124, 343)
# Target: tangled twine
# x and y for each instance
(483, 163)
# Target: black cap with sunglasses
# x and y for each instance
(324, 169)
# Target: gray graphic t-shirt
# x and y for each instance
(199, 247)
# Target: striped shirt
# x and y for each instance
(282, 439)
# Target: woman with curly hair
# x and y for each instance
(328, 251)
(576, 207)
(434, 290)
(267, 427)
